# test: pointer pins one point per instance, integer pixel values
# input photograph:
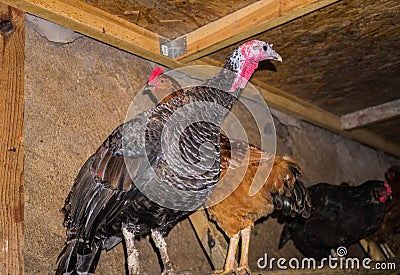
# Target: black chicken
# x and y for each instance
(342, 215)
(132, 186)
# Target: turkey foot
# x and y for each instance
(162, 247)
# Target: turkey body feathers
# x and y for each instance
(341, 216)
(290, 199)
(104, 195)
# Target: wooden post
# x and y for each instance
(12, 52)
(373, 250)
(210, 237)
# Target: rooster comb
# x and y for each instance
(155, 73)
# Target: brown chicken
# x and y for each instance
(237, 213)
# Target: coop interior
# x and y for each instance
(334, 102)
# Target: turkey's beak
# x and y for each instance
(275, 56)
(270, 53)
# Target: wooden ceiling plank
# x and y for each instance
(244, 23)
(371, 115)
(96, 23)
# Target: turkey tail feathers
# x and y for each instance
(73, 260)
(67, 257)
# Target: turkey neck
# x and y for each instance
(217, 89)
(214, 90)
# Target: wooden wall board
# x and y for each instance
(12, 52)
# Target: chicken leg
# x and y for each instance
(229, 265)
(243, 268)
(132, 253)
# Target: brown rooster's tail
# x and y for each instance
(285, 236)
(291, 196)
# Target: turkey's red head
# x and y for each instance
(244, 61)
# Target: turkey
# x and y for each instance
(236, 213)
(154, 170)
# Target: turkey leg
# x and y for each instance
(132, 253)
(162, 247)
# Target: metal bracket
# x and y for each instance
(173, 48)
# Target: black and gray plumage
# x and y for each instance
(139, 181)
(342, 215)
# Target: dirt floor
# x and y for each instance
(77, 93)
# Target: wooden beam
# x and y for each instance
(212, 240)
(244, 23)
(372, 249)
(371, 115)
(96, 23)
(12, 52)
